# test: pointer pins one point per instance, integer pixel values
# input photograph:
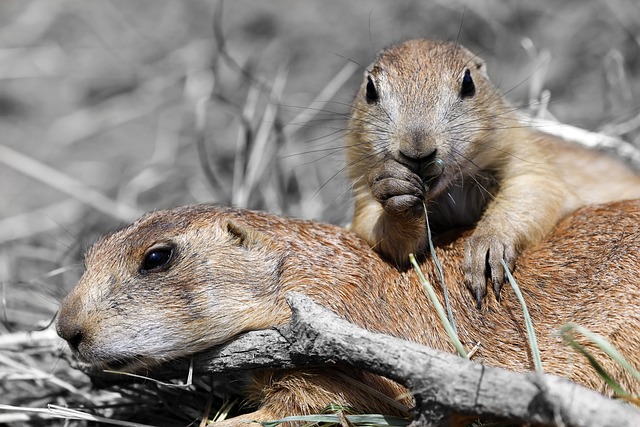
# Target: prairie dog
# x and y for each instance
(427, 126)
(179, 281)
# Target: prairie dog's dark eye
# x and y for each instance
(371, 92)
(468, 88)
(157, 259)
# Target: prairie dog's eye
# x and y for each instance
(468, 88)
(371, 91)
(157, 259)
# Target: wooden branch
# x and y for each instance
(442, 383)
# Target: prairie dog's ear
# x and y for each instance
(247, 236)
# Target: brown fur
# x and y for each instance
(230, 270)
(516, 183)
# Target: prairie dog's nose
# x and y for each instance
(426, 164)
(70, 331)
(69, 324)
(417, 145)
(413, 154)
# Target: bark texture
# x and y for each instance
(444, 385)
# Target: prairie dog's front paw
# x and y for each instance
(398, 189)
(483, 255)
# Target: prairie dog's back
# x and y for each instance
(591, 176)
(230, 269)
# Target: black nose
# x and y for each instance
(420, 156)
(424, 163)
(75, 339)
(70, 332)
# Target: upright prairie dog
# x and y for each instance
(427, 126)
(182, 280)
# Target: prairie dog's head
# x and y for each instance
(173, 283)
(425, 104)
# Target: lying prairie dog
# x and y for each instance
(182, 280)
(427, 126)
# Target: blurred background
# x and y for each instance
(112, 108)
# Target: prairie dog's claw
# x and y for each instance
(483, 257)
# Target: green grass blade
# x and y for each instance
(615, 386)
(440, 272)
(531, 334)
(604, 345)
(453, 336)
(567, 332)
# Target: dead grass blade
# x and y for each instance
(39, 220)
(55, 411)
(260, 156)
(33, 373)
(67, 185)
(325, 95)
(453, 336)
